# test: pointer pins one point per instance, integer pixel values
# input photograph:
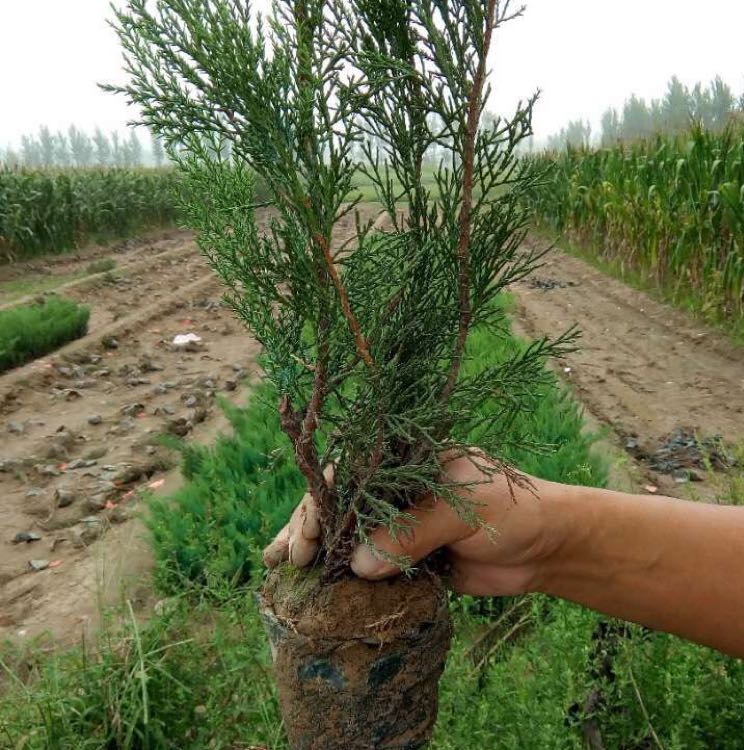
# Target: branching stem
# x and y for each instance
(466, 210)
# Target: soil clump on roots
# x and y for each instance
(357, 663)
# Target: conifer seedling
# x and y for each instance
(364, 340)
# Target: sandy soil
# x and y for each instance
(79, 430)
(642, 369)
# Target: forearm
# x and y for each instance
(668, 564)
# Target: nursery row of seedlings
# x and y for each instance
(525, 674)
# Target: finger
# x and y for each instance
(310, 528)
(302, 552)
(278, 550)
(436, 525)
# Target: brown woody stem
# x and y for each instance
(361, 342)
(466, 210)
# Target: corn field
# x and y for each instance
(51, 211)
(671, 209)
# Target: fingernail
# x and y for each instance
(364, 563)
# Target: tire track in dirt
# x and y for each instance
(643, 368)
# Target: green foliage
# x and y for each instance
(30, 331)
(241, 491)
(671, 210)
(189, 679)
(50, 211)
(364, 348)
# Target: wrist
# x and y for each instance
(567, 526)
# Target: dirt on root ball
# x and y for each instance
(357, 663)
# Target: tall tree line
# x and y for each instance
(76, 148)
(713, 107)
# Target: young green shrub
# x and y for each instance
(365, 343)
(30, 331)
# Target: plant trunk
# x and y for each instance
(357, 664)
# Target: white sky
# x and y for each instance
(584, 55)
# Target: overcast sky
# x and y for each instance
(584, 55)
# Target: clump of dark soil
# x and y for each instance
(548, 285)
(684, 450)
(357, 663)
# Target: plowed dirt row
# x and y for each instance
(642, 368)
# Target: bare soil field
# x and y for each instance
(659, 380)
(80, 430)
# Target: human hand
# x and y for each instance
(501, 556)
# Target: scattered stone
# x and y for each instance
(110, 343)
(57, 451)
(123, 428)
(90, 529)
(34, 492)
(64, 497)
(548, 285)
(199, 415)
(47, 470)
(190, 401)
(9, 465)
(230, 385)
(81, 463)
(165, 409)
(147, 365)
(151, 450)
(138, 381)
(103, 373)
(16, 428)
(129, 474)
(683, 450)
(26, 537)
(96, 453)
(83, 384)
(179, 427)
(132, 410)
(95, 419)
(71, 394)
(95, 359)
(65, 372)
(38, 565)
(122, 513)
(96, 503)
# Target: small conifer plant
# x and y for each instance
(364, 334)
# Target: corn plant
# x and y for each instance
(50, 211)
(671, 208)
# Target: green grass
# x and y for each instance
(34, 283)
(30, 331)
(198, 674)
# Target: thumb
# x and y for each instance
(434, 525)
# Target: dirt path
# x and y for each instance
(79, 430)
(643, 368)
